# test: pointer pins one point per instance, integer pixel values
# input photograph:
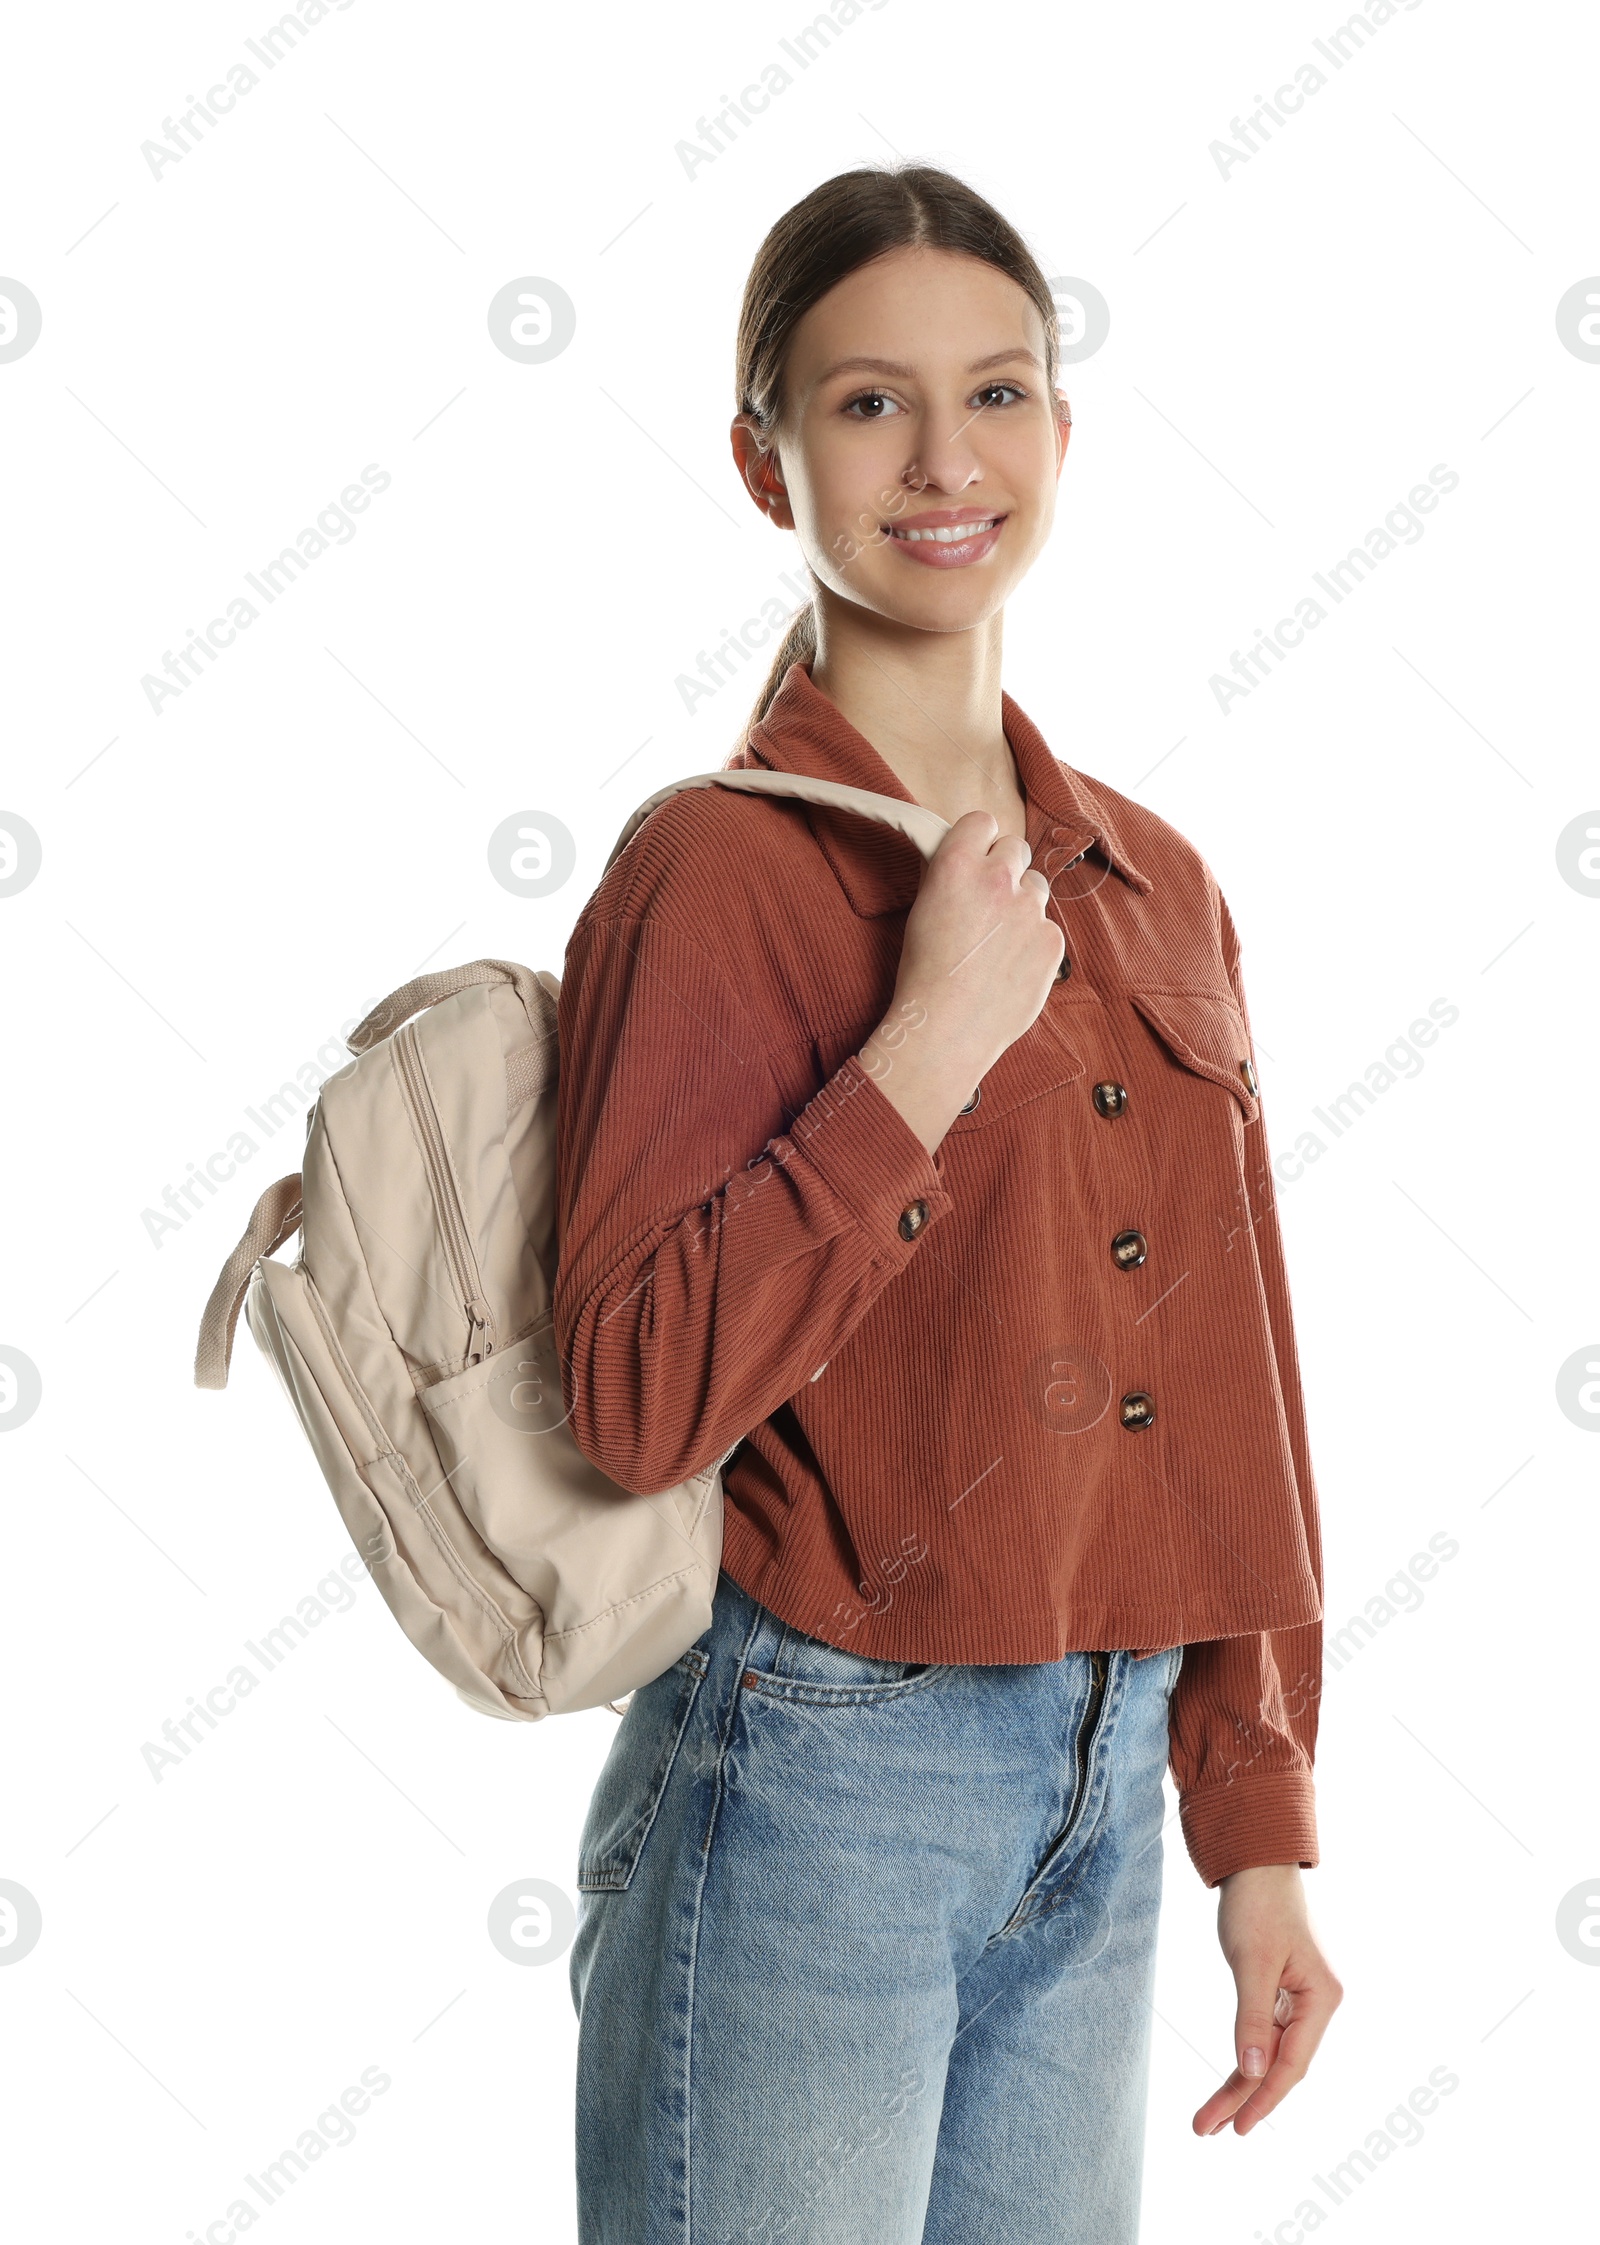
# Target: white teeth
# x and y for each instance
(954, 535)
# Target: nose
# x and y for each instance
(946, 457)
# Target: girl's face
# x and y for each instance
(920, 444)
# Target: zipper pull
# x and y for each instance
(480, 1321)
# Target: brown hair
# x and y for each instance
(840, 226)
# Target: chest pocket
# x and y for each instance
(1041, 1060)
(1205, 1034)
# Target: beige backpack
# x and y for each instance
(413, 1335)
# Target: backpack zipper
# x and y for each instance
(446, 1200)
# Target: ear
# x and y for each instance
(1063, 429)
(761, 471)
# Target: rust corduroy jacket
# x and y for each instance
(1036, 1393)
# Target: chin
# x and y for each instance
(951, 607)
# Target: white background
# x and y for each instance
(225, 882)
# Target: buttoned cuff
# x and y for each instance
(870, 1157)
(1269, 1818)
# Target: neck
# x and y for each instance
(928, 701)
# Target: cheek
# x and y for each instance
(841, 503)
(1026, 460)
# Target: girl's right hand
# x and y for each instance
(976, 966)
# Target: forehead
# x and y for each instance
(921, 312)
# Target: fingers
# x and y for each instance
(970, 834)
(975, 837)
(1308, 2009)
(1258, 2037)
(1256, 2025)
(1220, 2107)
(977, 833)
(1295, 2050)
(1288, 2042)
(1011, 851)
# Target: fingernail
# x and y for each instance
(1254, 2061)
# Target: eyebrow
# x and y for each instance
(893, 367)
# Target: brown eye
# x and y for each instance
(872, 398)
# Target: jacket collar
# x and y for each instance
(878, 868)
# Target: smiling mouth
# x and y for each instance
(947, 534)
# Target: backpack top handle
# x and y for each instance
(425, 990)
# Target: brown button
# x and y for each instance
(1247, 1070)
(973, 1101)
(1128, 1250)
(1111, 1100)
(1138, 1411)
(749, 1677)
(913, 1218)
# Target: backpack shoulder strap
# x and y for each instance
(923, 827)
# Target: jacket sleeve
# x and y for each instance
(1244, 1712)
(713, 1249)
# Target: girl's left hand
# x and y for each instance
(1287, 1994)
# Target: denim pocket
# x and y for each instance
(823, 1675)
(628, 1791)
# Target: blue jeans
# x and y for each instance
(866, 1949)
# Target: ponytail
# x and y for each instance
(799, 645)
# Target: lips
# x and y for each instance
(946, 534)
(947, 537)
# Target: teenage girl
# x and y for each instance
(941, 1190)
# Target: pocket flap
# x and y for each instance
(1205, 1034)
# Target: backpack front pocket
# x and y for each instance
(598, 1559)
(476, 1624)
